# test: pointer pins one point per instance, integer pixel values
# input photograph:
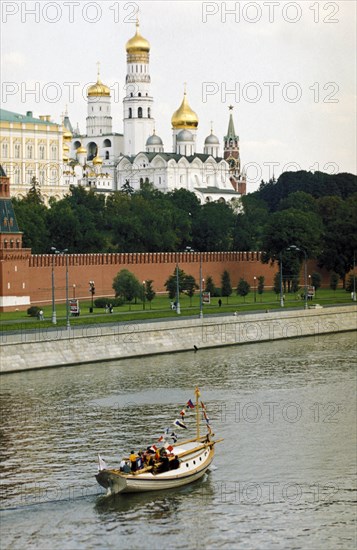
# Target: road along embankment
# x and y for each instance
(64, 347)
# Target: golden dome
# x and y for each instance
(65, 158)
(67, 135)
(97, 160)
(81, 150)
(138, 43)
(98, 89)
(184, 117)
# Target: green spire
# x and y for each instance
(231, 133)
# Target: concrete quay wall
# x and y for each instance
(51, 348)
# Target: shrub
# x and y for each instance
(33, 311)
(104, 302)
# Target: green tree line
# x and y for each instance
(315, 212)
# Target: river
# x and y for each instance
(283, 478)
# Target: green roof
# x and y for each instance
(216, 191)
(231, 133)
(9, 116)
(8, 223)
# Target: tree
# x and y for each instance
(261, 282)
(127, 286)
(171, 283)
(316, 280)
(212, 227)
(190, 286)
(243, 288)
(339, 237)
(31, 215)
(210, 286)
(127, 188)
(34, 195)
(334, 278)
(226, 286)
(149, 291)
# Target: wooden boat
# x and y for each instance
(191, 459)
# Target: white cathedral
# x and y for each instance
(107, 161)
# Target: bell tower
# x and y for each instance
(138, 121)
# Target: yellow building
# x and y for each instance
(35, 147)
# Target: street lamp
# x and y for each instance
(255, 289)
(201, 301)
(281, 280)
(54, 316)
(92, 292)
(294, 247)
(68, 324)
(74, 290)
(178, 308)
(189, 249)
(143, 294)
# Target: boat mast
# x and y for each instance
(197, 392)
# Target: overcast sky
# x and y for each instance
(292, 66)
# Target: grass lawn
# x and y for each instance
(160, 308)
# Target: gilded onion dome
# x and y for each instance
(184, 117)
(97, 160)
(137, 44)
(65, 148)
(81, 150)
(98, 89)
(67, 135)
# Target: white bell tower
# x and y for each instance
(138, 121)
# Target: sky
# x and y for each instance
(287, 68)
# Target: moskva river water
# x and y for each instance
(283, 478)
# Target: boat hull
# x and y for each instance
(191, 469)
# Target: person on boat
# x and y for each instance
(121, 465)
(139, 461)
(126, 468)
(175, 463)
(132, 459)
(165, 464)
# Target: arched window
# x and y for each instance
(107, 155)
(4, 150)
(17, 151)
(130, 113)
(42, 152)
(141, 181)
(149, 112)
(139, 94)
(140, 112)
(29, 151)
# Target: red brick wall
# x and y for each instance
(33, 273)
(102, 268)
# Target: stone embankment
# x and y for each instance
(64, 347)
